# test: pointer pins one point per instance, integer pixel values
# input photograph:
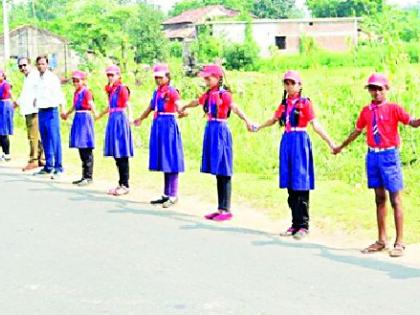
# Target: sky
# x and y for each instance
(167, 4)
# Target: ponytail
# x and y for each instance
(224, 86)
(282, 120)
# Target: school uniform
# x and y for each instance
(217, 156)
(118, 137)
(383, 163)
(166, 152)
(296, 158)
(48, 97)
(6, 116)
(82, 135)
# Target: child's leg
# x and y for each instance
(381, 212)
(398, 216)
(224, 192)
(173, 185)
(86, 155)
(5, 144)
(300, 208)
(167, 188)
(124, 171)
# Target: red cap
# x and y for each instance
(211, 70)
(160, 70)
(77, 74)
(114, 69)
(292, 75)
(378, 79)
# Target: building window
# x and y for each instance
(311, 23)
(281, 42)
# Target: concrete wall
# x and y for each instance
(332, 35)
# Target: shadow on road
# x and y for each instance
(192, 223)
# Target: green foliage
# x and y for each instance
(176, 49)
(274, 9)
(339, 8)
(207, 48)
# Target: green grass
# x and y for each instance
(340, 199)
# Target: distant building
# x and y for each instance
(333, 34)
(182, 27)
(31, 41)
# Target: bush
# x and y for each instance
(176, 49)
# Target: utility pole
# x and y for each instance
(6, 35)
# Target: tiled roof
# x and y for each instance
(200, 15)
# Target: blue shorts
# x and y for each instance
(384, 170)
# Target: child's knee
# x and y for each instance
(380, 199)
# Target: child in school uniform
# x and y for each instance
(82, 134)
(165, 147)
(295, 113)
(118, 138)
(381, 118)
(217, 156)
(6, 117)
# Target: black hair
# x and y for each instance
(42, 57)
(296, 113)
(23, 58)
(168, 75)
(224, 86)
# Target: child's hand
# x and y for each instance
(137, 122)
(183, 114)
(63, 116)
(336, 150)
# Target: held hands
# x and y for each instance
(137, 122)
(337, 149)
(64, 116)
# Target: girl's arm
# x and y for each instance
(353, 136)
(103, 113)
(93, 109)
(66, 115)
(143, 116)
(270, 122)
(242, 116)
(191, 104)
(323, 134)
(129, 112)
(415, 123)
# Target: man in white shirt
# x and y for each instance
(49, 100)
(30, 112)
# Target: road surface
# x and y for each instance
(76, 251)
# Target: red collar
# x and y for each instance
(163, 88)
(111, 88)
(374, 105)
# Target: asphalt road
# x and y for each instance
(75, 251)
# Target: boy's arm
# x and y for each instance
(353, 136)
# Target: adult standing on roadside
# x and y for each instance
(28, 109)
(49, 99)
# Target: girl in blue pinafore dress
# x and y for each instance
(118, 138)
(295, 113)
(6, 117)
(217, 156)
(82, 134)
(165, 147)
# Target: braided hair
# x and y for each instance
(296, 112)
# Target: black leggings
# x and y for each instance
(299, 204)
(86, 155)
(224, 192)
(124, 171)
(5, 144)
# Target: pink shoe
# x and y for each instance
(211, 216)
(225, 216)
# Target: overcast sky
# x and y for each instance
(167, 4)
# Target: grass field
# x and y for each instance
(341, 199)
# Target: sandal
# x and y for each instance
(374, 248)
(398, 250)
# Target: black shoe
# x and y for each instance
(160, 201)
(77, 182)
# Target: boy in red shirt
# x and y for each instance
(380, 119)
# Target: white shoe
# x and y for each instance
(7, 157)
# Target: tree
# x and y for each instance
(274, 9)
(340, 8)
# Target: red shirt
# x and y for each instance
(218, 102)
(388, 115)
(303, 105)
(164, 99)
(85, 102)
(5, 89)
(120, 99)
